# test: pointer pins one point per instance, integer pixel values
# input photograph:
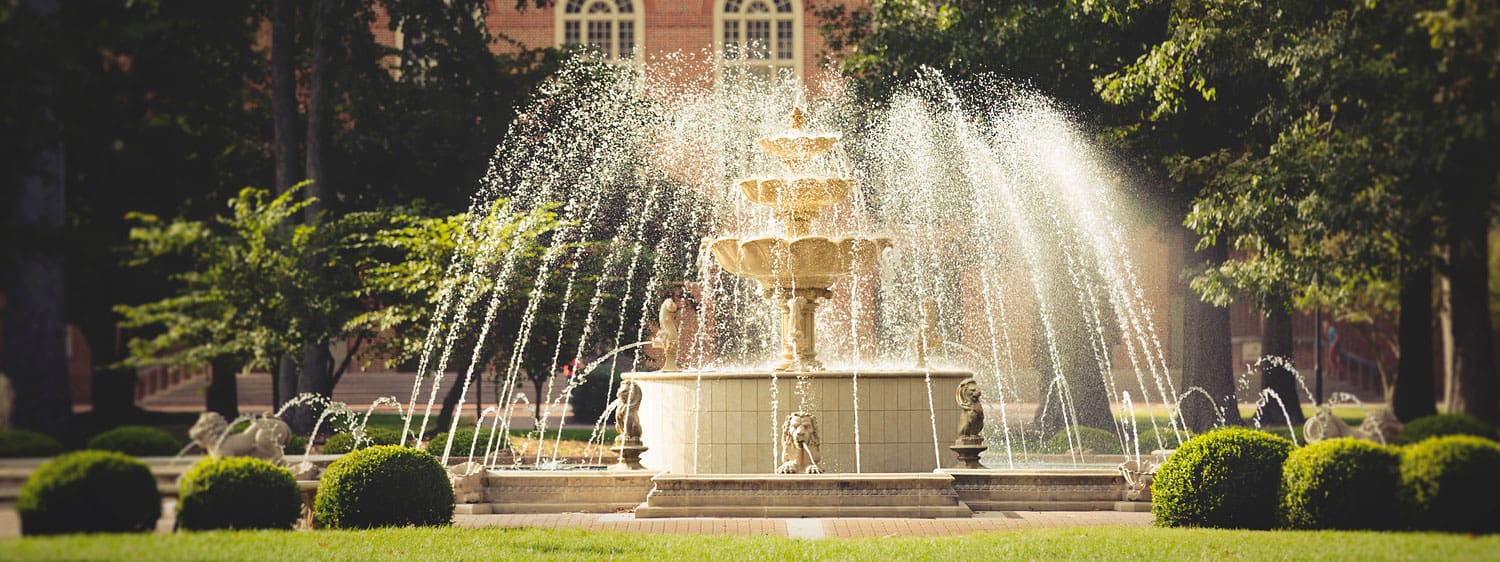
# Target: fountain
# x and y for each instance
(726, 422)
(871, 298)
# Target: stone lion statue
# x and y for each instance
(970, 411)
(628, 412)
(1380, 426)
(263, 440)
(799, 445)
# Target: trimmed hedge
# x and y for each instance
(1227, 478)
(19, 443)
(138, 441)
(1090, 439)
(1341, 484)
(1449, 483)
(384, 486)
(461, 442)
(343, 442)
(238, 493)
(89, 492)
(1438, 425)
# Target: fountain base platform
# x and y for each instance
(803, 495)
(730, 422)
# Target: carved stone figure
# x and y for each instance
(799, 445)
(667, 335)
(970, 412)
(628, 412)
(468, 481)
(927, 337)
(264, 438)
(1139, 474)
(1380, 426)
(1384, 424)
(628, 422)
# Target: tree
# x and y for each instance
(243, 298)
(35, 327)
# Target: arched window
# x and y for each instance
(760, 36)
(612, 27)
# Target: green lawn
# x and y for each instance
(394, 423)
(541, 544)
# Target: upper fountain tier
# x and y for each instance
(797, 198)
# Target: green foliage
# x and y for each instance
(463, 440)
(344, 442)
(89, 492)
(1437, 425)
(1228, 478)
(295, 446)
(1448, 483)
(1084, 440)
(238, 493)
(591, 394)
(17, 443)
(383, 486)
(1341, 484)
(137, 440)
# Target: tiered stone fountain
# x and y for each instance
(718, 422)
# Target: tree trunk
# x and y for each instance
(313, 377)
(1474, 388)
(1276, 332)
(285, 383)
(284, 92)
(1082, 400)
(317, 113)
(223, 389)
(1413, 394)
(1206, 360)
(35, 325)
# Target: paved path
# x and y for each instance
(814, 528)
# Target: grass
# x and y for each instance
(393, 422)
(1097, 543)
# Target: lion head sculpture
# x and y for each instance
(800, 445)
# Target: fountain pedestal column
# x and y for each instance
(798, 307)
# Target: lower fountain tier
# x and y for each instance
(731, 422)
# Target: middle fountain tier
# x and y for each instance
(796, 416)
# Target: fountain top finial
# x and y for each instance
(798, 117)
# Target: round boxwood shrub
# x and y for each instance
(384, 486)
(19, 443)
(343, 442)
(1224, 478)
(461, 442)
(1341, 484)
(89, 492)
(1448, 483)
(238, 493)
(1088, 439)
(137, 440)
(1444, 424)
(296, 445)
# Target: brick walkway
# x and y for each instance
(814, 528)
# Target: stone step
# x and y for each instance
(920, 495)
(1039, 490)
(564, 491)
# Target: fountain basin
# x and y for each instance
(810, 262)
(730, 422)
(801, 193)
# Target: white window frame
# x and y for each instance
(636, 17)
(722, 20)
